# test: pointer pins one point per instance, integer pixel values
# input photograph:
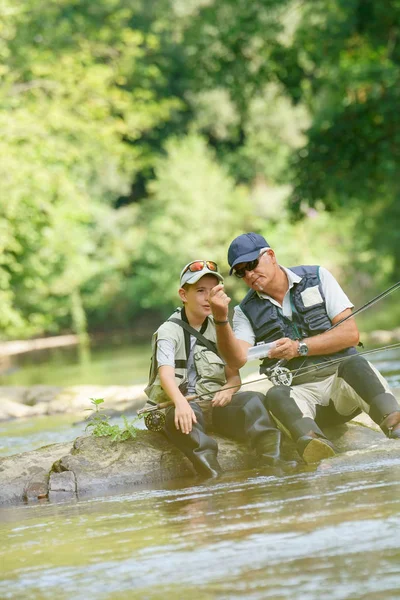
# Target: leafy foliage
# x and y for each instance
(352, 60)
(138, 134)
(100, 426)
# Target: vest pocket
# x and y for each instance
(209, 366)
(317, 319)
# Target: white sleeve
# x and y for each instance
(242, 327)
(335, 298)
(165, 353)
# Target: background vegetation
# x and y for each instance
(137, 135)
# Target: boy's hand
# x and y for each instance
(219, 302)
(222, 398)
(184, 416)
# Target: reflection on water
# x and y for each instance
(118, 364)
(23, 435)
(312, 535)
(332, 533)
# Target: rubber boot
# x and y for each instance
(268, 450)
(263, 435)
(200, 448)
(313, 448)
(391, 425)
(311, 443)
(384, 408)
(206, 463)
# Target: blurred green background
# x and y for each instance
(137, 135)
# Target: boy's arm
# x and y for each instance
(184, 415)
(224, 396)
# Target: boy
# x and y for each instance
(186, 363)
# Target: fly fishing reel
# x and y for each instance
(281, 376)
(154, 420)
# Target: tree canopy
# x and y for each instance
(137, 135)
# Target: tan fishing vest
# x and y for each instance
(210, 368)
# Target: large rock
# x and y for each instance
(25, 476)
(98, 466)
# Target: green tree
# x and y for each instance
(351, 59)
(194, 211)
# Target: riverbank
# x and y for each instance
(38, 400)
(92, 466)
(19, 402)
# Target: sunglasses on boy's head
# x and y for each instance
(199, 265)
(249, 266)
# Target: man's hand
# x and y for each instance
(285, 348)
(222, 398)
(184, 416)
(219, 303)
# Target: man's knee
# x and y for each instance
(359, 375)
(350, 365)
(277, 396)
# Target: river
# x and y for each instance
(329, 533)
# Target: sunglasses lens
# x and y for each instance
(240, 273)
(212, 266)
(199, 265)
(250, 266)
(194, 267)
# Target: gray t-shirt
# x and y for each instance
(166, 357)
(335, 299)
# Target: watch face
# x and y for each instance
(303, 349)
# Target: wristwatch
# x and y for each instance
(302, 349)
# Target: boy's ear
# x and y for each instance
(182, 294)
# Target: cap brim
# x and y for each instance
(244, 259)
(194, 277)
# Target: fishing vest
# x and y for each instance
(210, 368)
(309, 318)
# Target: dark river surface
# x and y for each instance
(329, 533)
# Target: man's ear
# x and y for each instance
(182, 294)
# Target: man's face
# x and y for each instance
(259, 273)
(196, 297)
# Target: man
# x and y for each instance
(186, 363)
(297, 309)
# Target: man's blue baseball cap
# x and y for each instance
(244, 248)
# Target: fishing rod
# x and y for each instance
(368, 304)
(283, 375)
(303, 370)
(278, 374)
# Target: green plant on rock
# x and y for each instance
(101, 427)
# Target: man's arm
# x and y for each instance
(329, 342)
(184, 415)
(233, 351)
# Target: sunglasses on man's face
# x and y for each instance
(249, 266)
(199, 265)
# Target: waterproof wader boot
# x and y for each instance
(311, 443)
(200, 448)
(384, 408)
(391, 425)
(245, 418)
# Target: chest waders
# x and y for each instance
(311, 442)
(245, 418)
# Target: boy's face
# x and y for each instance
(196, 296)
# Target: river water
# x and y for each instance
(330, 533)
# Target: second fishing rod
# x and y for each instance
(279, 374)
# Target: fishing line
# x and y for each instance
(304, 371)
(368, 304)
